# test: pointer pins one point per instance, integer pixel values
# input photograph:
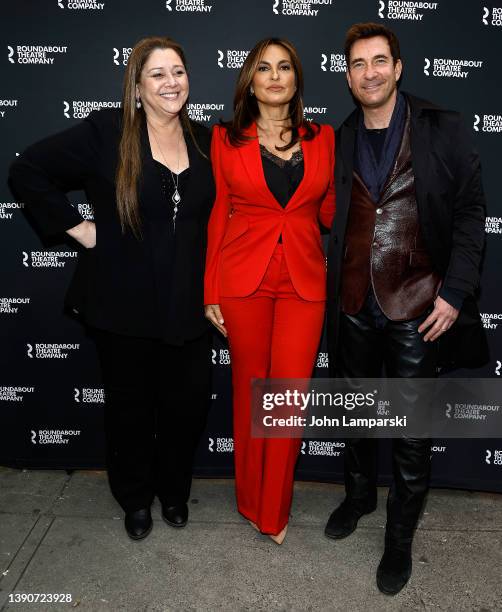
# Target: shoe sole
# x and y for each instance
(142, 536)
(346, 535)
(177, 525)
(390, 593)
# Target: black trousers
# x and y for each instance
(157, 396)
(368, 342)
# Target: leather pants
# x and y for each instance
(368, 342)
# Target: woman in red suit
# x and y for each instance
(265, 267)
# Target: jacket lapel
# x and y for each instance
(310, 150)
(251, 160)
(150, 180)
(347, 146)
(420, 152)
(344, 170)
(194, 159)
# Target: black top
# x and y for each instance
(164, 247)
(377, 140)
(282, 176)
(152, 287)
(171, 182)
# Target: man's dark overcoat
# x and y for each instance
(451, 209)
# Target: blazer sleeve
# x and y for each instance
(218, 219)
(328, 205)
(43, 174)
(469, 211)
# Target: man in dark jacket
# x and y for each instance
(403, 268)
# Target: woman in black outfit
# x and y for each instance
(139, 281)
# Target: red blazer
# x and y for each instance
(246, 220)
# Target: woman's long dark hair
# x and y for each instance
(246, 109)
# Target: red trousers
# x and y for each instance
(272, 333)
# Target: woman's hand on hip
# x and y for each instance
(84, 233)
(213, 313)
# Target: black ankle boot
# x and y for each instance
(175, 516)
(394, 569)
(343, 521)
(138, 523)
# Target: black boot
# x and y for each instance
(360, 485)
(343, 521)
(138, 523)
(394, 569)
(175, 516)
(411, 467)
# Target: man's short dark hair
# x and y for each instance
(360, 31)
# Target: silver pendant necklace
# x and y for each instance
(176, 197)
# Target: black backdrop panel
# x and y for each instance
(59, 59)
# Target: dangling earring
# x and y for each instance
(138, 103)
(251, 91)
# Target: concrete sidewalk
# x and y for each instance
(63, 533)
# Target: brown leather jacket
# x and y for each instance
(384, 246)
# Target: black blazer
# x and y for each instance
(124, 285)
(451, 209)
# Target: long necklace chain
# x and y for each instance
(176, 197)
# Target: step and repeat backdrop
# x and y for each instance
(60, 59)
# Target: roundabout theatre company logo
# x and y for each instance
(11, 305)
(450, 68)
(403, 9)
(87, 395)
(121, 56)
(299, 8)
(86, 210)
(188, 6)
(325, 448)
(334, 62)
(487, 123)
(223, 445)
(493, 457)
(322, 360)
(79, 109)
(222, 357)
(34, 54)
(203, 112)
(6, 105)
(493, 17)
(53, 436)
(231, 58)
(81, 5)
(312, 113)
(47, 259)
(50, 351)
(7, 207)
(493, 225)
(14, 394)
(491, 320)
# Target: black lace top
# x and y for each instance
(282, 176)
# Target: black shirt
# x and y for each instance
(282, 175)
(377, 140)
(163, 227)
